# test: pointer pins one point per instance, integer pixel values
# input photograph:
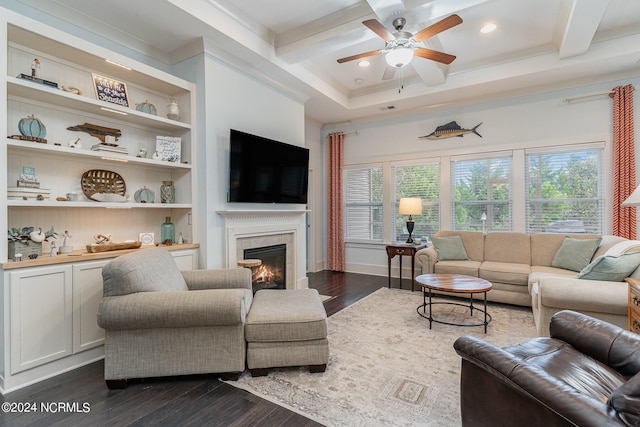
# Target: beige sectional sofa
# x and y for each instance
(521, 269)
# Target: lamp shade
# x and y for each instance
(633, 199)
(410, 206)
(399, 57)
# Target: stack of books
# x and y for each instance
(110, 148)
(22, 193)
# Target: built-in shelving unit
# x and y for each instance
(50, 304)
(70, 63)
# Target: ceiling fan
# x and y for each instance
(401, 46)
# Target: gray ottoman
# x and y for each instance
(286, 328)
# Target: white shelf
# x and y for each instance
(38, 92)
(99, 205)
(19, 146)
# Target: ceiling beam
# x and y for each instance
(581, 24)
(323, 35)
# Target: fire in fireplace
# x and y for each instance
(272, 273)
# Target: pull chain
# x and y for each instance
(401, 80)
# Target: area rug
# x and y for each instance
(386, 367)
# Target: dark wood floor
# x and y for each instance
(186, 401)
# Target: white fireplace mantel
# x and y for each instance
(243, 224)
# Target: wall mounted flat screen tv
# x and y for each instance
(266, 171)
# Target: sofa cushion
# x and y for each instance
(544, 246)
(505, 272)
(575, 254)
(538, 271)
(468, 268)
(147, 270)
(612, 268)
(449, 248)
(507, 247)
(473, 242)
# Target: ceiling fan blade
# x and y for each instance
(438, 27)
(375, 26)
(388, 72)
(360, 55)
(434, 55)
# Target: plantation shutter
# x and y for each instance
(565, 189)
(363, 203)
(416, 180)
(482, 186)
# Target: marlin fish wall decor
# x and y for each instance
(450, 130)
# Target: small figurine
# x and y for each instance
(35, 68)
(180, 238)
(66, 247)
(54, 252)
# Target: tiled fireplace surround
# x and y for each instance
(253, 229)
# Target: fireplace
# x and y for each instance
(258, 229)
(272, 274)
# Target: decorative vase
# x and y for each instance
(167, 232)
(167, 192)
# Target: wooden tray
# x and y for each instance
(94, 248)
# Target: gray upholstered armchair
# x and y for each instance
(159, 321)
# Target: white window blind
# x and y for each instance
(481, 186)
(363, 203)
(417, 180)
(565, 190)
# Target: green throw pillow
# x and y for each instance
(575, 254)
(612, 268)
(449, 248)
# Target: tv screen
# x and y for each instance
(266, 171)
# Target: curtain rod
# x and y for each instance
(592, 95)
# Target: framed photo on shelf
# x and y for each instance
(146, 238)
(109, 90)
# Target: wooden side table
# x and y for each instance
(634, 304)
(403, 249)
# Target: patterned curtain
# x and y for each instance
(624, 178)
(335, 204)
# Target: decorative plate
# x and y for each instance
(144, 195)
(100, 181)
(108, 197)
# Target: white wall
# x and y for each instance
(236, 100)
(536, 120)
(317, 196)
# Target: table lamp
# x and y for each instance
(410, 206)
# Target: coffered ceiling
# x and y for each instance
(538, 45)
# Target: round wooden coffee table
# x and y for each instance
(457, 283)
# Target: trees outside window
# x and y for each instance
(565, 191)
(481, 189)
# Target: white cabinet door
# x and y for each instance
(186, 260)
(41, 316)
(87, 294)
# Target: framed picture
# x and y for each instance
(146, 238)
(109, 90)
(169, 148)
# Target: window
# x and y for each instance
(565, 190)
(363, 203)
(481, 194)
(418, 180)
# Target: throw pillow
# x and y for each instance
(575, 254)
(449, 248)
(612, 268)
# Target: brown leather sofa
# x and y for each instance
(585, 374)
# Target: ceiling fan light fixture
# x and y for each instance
(399, 57)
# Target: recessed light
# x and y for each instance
(364, 63)
(358, 80)
(488, 28)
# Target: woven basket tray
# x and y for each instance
(101, 181)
